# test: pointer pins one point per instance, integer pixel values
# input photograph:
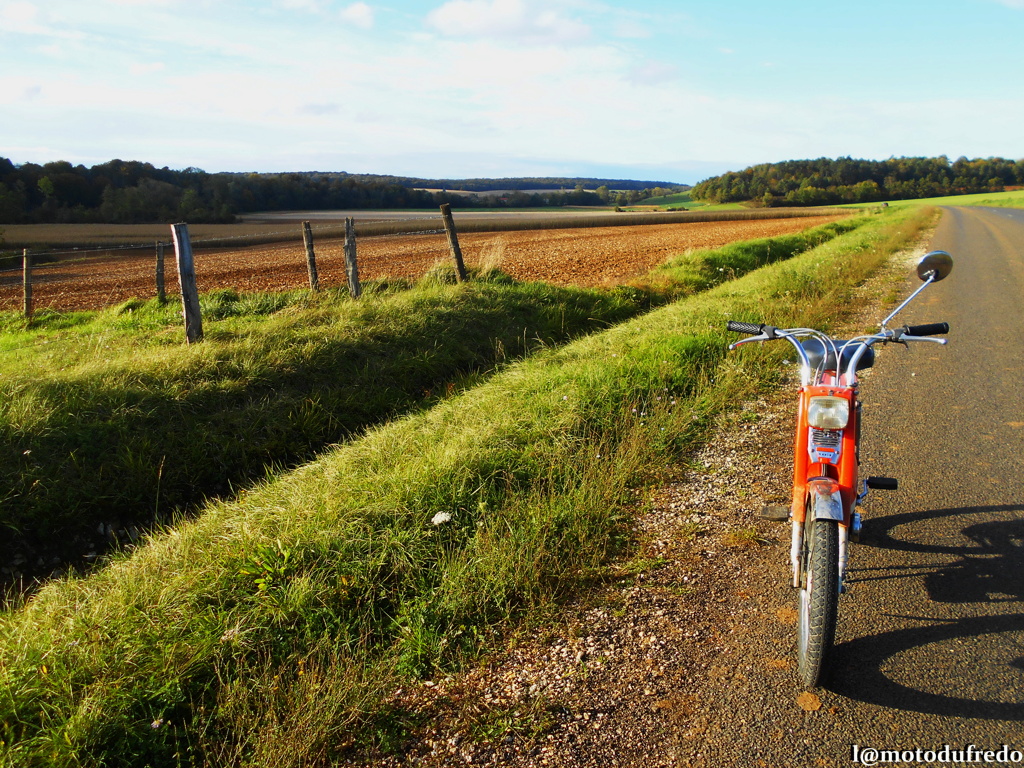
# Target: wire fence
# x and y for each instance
(101, 276)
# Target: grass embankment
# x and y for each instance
(995, 199)
(685, 201)
(271, 630)
(1013, 199)
(108, 420)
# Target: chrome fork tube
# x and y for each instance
(795, 551)
(844, 537)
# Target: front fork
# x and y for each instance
(796, 547)
(846, 535)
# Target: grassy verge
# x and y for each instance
(113, 420)
(272, 629)
(685, 200)
(995, 199)
(107, 420)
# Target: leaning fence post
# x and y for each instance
(307, 238)
(161, 292)
(351, 266)
(187, 279)
(26, 281)
(453, 242)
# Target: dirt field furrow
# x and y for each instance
(585, 257)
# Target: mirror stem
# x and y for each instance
(929, 281)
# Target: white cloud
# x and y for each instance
(652, 73)
(359, 15)
(630, 29)
(319, 110)
(136, 3)
(1017, 4)
(146, 68)
(18, 12)
(533, 21)
(313, 6)
(24, 18)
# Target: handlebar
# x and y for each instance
(929, 329)
(850, 353)
(765, 332)
(770, 332)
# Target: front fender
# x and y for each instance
(826, 501)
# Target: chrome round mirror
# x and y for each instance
(936, 265)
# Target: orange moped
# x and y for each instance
(826, 488)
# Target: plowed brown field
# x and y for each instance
(586, 257)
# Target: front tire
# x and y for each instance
(819, 600)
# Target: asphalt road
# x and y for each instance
(932, 638)
(930, 642)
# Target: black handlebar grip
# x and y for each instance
(736, 325)
(930, 329)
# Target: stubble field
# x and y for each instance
(584, 257)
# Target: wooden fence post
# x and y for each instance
(453, 242)
(161, 292)
(351, 266)
(26, 281)
(187, 279)
(307, 238)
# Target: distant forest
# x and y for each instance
(133, 193)
(529, 182)
(845, 180)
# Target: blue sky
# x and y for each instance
(657, 90)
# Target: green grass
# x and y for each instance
(274, 629)
(679, 198)
(685, 200)
(998, 199)
(107, 419)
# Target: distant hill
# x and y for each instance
(844, 180)
(132, 192)
(522, 183)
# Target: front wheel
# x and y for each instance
(819, 599)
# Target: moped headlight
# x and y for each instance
(827, 412)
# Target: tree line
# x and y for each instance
(133, 192)
(845, 180)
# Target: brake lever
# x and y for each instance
(900, 336)
(932, 339)
(749, 339)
